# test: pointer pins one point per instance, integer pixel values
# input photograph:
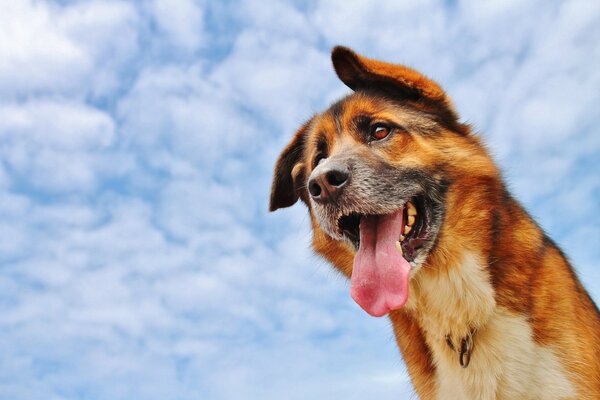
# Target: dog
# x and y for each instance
(405, 201)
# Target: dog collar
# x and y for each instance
(466, 348)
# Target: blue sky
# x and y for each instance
(137, 140)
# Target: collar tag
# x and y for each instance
(465, 350)
(466, 345)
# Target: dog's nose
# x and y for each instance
(326, 182)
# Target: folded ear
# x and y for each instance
(359, 72)
(289, 172)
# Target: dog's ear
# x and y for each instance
(289, 172)
(359, 72)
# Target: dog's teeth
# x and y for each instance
(402, 237)
(399, 248)
(407, 229)
(411, 209)
(411, 220)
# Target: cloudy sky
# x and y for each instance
(137, 141)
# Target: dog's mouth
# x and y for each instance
(412, 236)
(388, 247)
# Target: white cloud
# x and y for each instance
(180, 110)
(54, 145)
(282, 78)
(138, 260)
(279, 19)
(56, 124)
(181, 21)
(70, 49)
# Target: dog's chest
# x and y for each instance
(505, 362)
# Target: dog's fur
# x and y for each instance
(490, 270)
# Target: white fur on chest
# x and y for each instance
(506, 363)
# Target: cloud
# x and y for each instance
(137, 140)
(53, 145)
(65, 49)
(261, 66)
(180, 110)
(181, 22)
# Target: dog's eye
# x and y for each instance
(380, 131)
(318, 159)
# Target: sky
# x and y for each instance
(137, 143)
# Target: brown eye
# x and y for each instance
(380, 131)
(318, 159)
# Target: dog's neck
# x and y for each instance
(451, 295)
(453, 304)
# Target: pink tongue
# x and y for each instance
(380, 274)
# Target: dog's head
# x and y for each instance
(373, 171)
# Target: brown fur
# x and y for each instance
(525, 274)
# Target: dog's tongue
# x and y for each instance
(380, 274)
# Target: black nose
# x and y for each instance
(326, 183)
